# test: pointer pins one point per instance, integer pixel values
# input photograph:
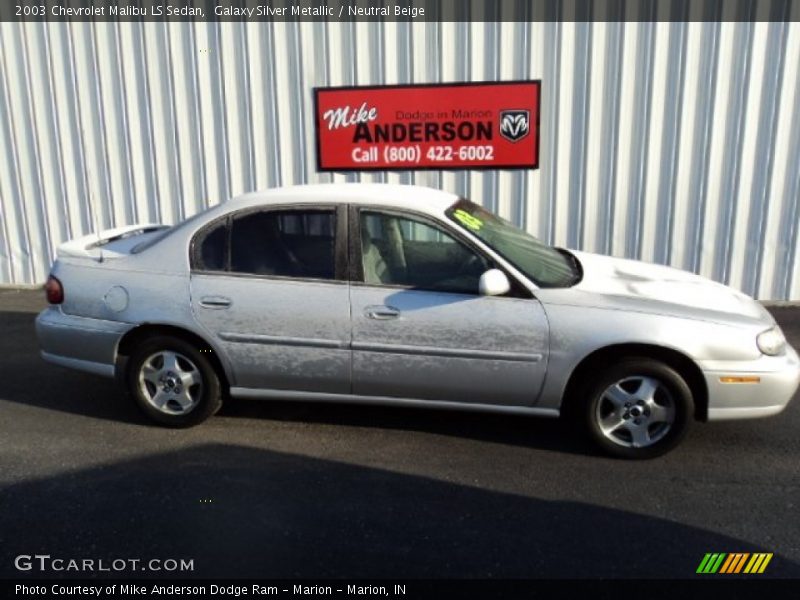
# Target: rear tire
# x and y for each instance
(637, 408)
(173, 383)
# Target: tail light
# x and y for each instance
(54, 290)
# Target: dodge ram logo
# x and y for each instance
(514, 124)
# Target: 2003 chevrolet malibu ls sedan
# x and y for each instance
(404, 295)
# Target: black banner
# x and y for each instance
(729, 588)
(401, 10)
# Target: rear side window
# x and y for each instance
(211, 255)
(284, 243)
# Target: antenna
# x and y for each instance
(92, 211)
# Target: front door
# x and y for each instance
(421, 329)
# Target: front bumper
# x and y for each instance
(776, 379)
(79, 343)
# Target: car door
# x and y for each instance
(267, 285)
(421, 329)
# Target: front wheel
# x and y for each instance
(173, 383)
(638, 408)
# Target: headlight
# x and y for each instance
(771, 341)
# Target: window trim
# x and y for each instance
(340, 255)
(356, 271)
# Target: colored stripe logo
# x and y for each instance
(734, 563)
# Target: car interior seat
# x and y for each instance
(376, 269)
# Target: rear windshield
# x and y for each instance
(152, 241)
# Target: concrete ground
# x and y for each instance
(273, 489)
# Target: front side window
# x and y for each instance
(399, 250)
(284, 243)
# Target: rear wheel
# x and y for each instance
(637, 408)
(173, 383)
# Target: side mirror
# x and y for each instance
(494, 283)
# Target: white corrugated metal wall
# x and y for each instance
(677, 143)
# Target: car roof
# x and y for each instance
(423, 199)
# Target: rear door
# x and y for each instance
(421, 329)
(270, 286)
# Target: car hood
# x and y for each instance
(664, 289)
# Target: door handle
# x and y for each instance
(381, 313)
(215, 302)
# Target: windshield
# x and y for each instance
(544, 265)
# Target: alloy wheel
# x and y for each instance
(170, 382)
(635, 412)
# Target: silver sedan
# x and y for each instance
(407, 296)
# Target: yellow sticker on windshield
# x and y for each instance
(467, 220)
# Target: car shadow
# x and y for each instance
(541, 433)
(238, 511)
(28, 379)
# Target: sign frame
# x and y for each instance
(493, 167)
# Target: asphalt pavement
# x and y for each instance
(282, 489)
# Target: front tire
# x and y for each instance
(638, 408)
(173, 383)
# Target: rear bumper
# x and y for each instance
(776, 382)
(79, 342)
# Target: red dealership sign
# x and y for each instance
(444, 126)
